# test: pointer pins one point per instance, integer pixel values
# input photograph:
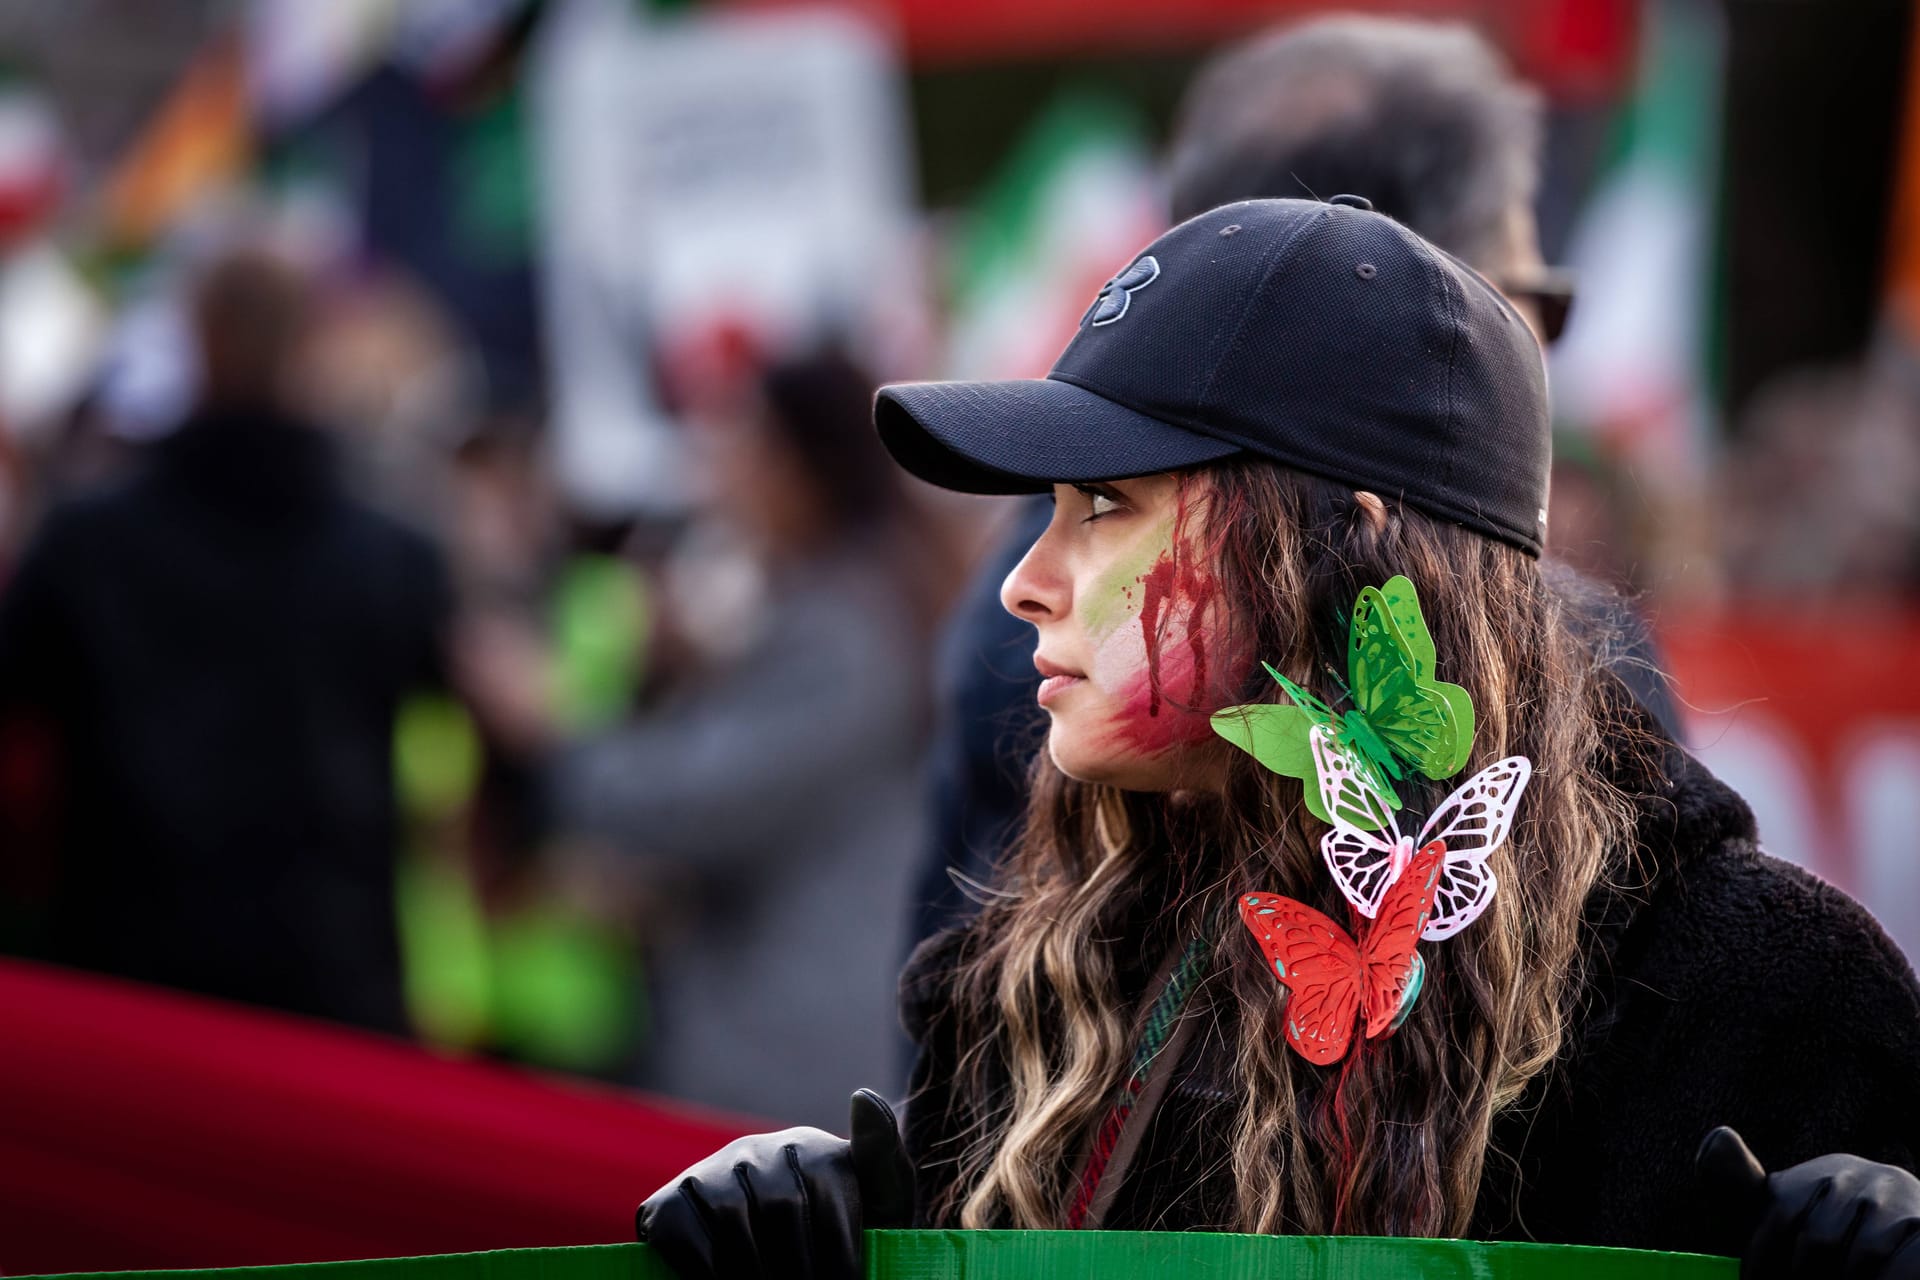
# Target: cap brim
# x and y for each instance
(1026, 436)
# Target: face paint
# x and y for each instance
(1161, 668)
(1111, 601)
(1167, 700)
(1135, 635)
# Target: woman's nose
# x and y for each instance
(1036, 591)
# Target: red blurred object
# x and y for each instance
(1820, 683)
(25, 205)
(1572, 48)
(145, 1129)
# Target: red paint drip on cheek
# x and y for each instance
(1155, 586)
(1150, 722)
(1200, 589)
(1148, 725)
(1205, 591)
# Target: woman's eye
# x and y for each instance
(1099, 502)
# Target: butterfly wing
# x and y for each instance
(1460, 704)
(1466, 890)
(1396, 595)
(1376, 650)
(1273, 733)
(1472, 823)
(1390, 661)
(1318, 963)
(1277, 736)
(1388, 953)
(1415, 721)
(1361, 862)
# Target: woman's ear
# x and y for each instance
(1372, 509)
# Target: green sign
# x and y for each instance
(1061, 1255)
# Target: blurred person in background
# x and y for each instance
(1819, 503)
(1422, 119)
(765, 809)
(216, 646)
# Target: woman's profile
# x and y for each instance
(1227, 978)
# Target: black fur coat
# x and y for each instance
(1726, 988)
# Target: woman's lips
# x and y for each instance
(1058, 679)
(1053, 686)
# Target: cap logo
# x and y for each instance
(1118, 292)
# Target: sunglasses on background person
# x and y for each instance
(1550, 293)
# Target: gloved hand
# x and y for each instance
(1836, 1218)
(791, 1203)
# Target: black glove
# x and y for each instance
(783, 1204)
(1836, 1218)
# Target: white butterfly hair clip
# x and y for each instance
(1366, 852)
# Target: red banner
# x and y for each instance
(1814, 717)
(144, 1129)
(1575, 49)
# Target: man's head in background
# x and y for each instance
(253, 312)
(1423, 119)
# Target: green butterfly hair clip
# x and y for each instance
(1401, 718)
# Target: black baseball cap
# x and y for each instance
(1325, 337)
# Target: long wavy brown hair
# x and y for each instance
(1102, 880)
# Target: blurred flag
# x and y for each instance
(199, 140)
(32, 160)
(1071, 206)
(1632, 367)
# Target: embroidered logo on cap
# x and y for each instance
(1118, 292)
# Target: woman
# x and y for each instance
(1278, 405)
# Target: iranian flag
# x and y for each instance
(1070, 207)
(1631, 371)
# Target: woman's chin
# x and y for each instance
(1106, 763)
(1109, 757)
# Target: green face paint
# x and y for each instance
(1115, 596)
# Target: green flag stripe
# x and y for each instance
(1065, 1255)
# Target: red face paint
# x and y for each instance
(1168, 704)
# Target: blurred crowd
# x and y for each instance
(451, 584)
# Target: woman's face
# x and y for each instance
(1133, 636)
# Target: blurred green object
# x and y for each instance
(436, 757)
(564, 990)
(1000, 230)
(1065, 1255)
(490, 169)
(443, 933)
(444, 949)
(601, 617)
(538, 981)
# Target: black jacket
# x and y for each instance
(1725, 987)
(219, 645)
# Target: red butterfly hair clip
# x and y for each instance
(1331, 977)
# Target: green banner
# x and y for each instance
(1194, 1255)
(1060, 1255)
